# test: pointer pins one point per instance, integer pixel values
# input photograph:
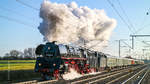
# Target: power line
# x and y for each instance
(129, 21)
(17, 13)
(144, 20)
(142, 28)
(15, 20)
(25, 4)
(111, 4)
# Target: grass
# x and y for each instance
(19, 70)
(17, 65)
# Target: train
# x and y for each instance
(53, 60)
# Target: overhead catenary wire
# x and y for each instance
(123, 20)
(128, 20)
(146, 42)
(142, 28)
(143, 22)
(14, 12)
(20, 14)
(127, 44)
(17, 21)
(25, 4)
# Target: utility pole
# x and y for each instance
(119, 45)
(132, 42)
(143, 53)
(137, 36)
(119, 48)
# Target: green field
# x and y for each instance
(17, 64)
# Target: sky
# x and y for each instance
(19, 23)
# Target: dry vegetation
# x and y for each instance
(17, 64)
(19, 70)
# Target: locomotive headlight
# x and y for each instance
(40, 64)
(54, 64)
(49, 48)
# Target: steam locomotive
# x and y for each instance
(54, 60)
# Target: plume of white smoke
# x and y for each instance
(77, 25)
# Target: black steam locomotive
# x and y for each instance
(54, 60)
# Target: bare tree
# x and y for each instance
(7, 55)
(29, 53)
(14, 53)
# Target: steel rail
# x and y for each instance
(143, 77)
(104, 75)
(120, 77)
(133, 76)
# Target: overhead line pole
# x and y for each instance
(119, 48)
(143, 53)
(132, 42)
(137, 36)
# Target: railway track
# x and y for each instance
(51, 81)
(138, 78)
(141, 80)
(106, 78)
(103, 77)
(36, 82)
(128, 77)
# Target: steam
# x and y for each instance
(71, 24)
(71, 75)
